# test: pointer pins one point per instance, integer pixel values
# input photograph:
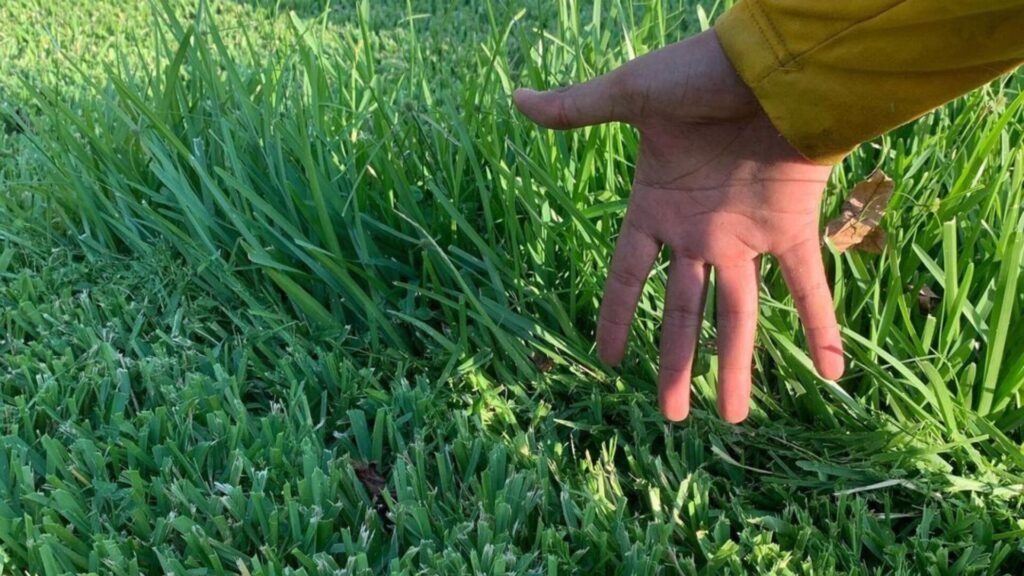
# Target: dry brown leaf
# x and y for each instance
(543, 362)
(927, 300)
(374, 483)
(859, 225)
(370, 477)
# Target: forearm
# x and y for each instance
(831, 75)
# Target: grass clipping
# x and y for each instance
(860, 224)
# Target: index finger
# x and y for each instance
(635, 253)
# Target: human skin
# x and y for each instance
(718, 186)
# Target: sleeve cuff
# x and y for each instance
(759, 55)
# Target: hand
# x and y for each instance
(718, 185)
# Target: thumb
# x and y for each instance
(593, 102)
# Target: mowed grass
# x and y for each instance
(290, 289)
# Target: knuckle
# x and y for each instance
(737, 315)
(626, 278)
(673, 373)
(805, 290)
(563, 117)
(683, 316)
(610, 319)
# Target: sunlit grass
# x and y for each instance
(251, 252)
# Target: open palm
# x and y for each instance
(717, 185)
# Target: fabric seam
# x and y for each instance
(796, 58)
(773, 39)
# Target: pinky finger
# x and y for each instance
(804, 273)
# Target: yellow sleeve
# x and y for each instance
(833, 73)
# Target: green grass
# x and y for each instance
(259, 257)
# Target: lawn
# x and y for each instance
(290, 288)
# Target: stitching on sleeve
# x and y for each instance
(779, 52)
(792, 60)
